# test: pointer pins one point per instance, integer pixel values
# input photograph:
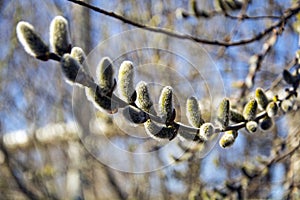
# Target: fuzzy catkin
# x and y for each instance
(228, 138)
(125, 80)
(31, 41)
(250, 110)
(134, 115)
(261, 98)
(272, 109)
(60, 36)
(159, 132)
(78, 54)
(236, 117)
(143, 97)
(251, 126)
(193, 112)
(166, 110)
(223, 113)
(104, 74)
(70, 67)
(266, 123)
(207, 130)
(102, 103)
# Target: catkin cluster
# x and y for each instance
(136, 102)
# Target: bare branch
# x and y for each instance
(288, 14)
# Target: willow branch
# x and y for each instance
(290, 12)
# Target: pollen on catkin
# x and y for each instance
(143, 97)
(193, 112)
(250, 110)
(159, 132)
(104, 74)
(223, 113)
(125, 81)
(261, 98)
(31, 41)
(228, 138)
(60, 36)
(166, 110)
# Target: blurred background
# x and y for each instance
(54, 148)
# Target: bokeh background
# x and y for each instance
(46, 153)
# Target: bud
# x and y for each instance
(250, 109)
(272, 109)
(31, 42)
(287, 105)
(166, 109)
(102, 103)
(125, 79)
(207, 130)
(160, 132)
(288, 77)
(134, 115)
(60, 36)
(78, 54)
(266, 123)
(236, 117)
(70, 67)
(261, 98)
(228, 138)
(104, 74)
(223, 113)
(191, 136)
(193, 112)
(74, 72)
(251, 126)
(143, 97)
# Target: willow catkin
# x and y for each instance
(207, 130)
(165, 104)
(102, 103)
(228, 138)
(251, 126)
(266, 123)
(31, 41)
(223, 113)
(272, 109)
(143, 99)
(70, 67)
(159, 132)
(236, 117)
(193, 112)
(78, 54)
(134, 115)
(60, 36)
(125, 81)
(104, 74)
(261, 98)
(250, 110)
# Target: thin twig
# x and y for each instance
(288, 14)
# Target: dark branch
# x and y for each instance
(288, 14)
